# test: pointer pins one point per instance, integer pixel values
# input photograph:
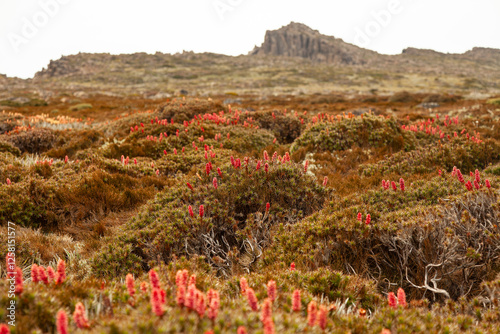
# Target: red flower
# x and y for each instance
(144, 287)
(312, 311)
(476, 184)
(368, 219)
(189, 185)
(18, 281)
(296, 303)
(322, 317)
(477, 176)
(460, 176)
(393, 184)
(292, 266)
(241, 330)
(266, 168)
(266, 310)
(51, 273)
(243, 285)
(61, 322)
(271, 290)
(487, 183)
(61, 272)
(156, 302)
(181, 295)
(325, 181)
(402, 184)
(266, 156)
(66, 159)
(269, 326)
(8, 182)
(200, 303)
(154, 279)
(215, 182)
(191, 297)
(129, 281)
(468, 185)
(401, 297)
(258, 165)
(79, 316)
(268, 206)
(219, 172)
(360, 217)
(202, 211)
(306, 165)
(213, 304)
(34, 273)
(252, 299)
(42, 275)
(391, 300)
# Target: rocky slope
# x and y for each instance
(298, 40)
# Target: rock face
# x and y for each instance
(298, 40)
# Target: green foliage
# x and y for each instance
(348, 133)
(233, 212)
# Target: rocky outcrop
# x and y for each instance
(298, 40)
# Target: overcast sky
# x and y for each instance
(32, 32)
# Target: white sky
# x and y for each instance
(168, 26)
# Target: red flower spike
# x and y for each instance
(214, 182)
(42, 275)
(322, 317)
(477, 176)
(79, 316)
(129, 281)
(266, 168)
(189, 185)
(487, 183)
(271, 290)
(401, 297)
(191, 297)
(368, 219)
(61, 272)
(8, 182)
(202, 211)
(296, 302)
(269, 326)
(181, 295)
(252, 299)
(394, 187)
(34, 273)
(156, 302)
(312, 311)
(360, 217)
(402, 184)
(241, 330)
(243, 285)
(292, 266)
(325, 181)
(268, 206)
(391, 300)
(51, 274)
(219, 172)
(61, 322)
(154, 279)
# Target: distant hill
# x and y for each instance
(294, 58)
